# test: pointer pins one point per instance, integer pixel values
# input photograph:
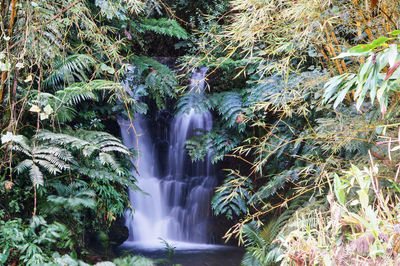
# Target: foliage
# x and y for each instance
(216, 143)
(231, 198)
(352, 230)
(58, 63)
(31, 243)
(308, 109)
(291, 110)
(158, 80)
(370, 78)
(134, 260)
(68, 70)
(164, 26)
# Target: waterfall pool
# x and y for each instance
(189, 254)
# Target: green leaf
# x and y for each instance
(362, 48)
(4, 256)
(349, 54)
(108, 69)
(380, 41)
(339, 190)
(395, 33)
(364, 199)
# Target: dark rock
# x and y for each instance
(118, 233)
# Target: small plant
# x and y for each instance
(360, 226)
(169, 251)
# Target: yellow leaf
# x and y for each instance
(43, 116)
(28, 78)
(35, 109)
(395, 148)
(48, 110)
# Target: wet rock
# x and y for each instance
(118, 233)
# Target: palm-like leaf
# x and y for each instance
(50, 158)
(74, 197)
(69, 70)
(231, 198)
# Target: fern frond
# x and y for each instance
(108, 159)
(83, 91)
(69, 70)
(219, 141)
(256, 246)
(22, 145)
(232, 197)
(278, 181)
(159, 80)
(73, 197)
(62, 139)
(164, 26)
(193, 100)
(23, 166)
(229, 106)
(36, 175)
(50, 166)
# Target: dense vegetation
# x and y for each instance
(304, 95)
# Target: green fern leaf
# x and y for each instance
(231, 198)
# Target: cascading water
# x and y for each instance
(177, 206)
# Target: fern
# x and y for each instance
(164, 26)
(231, 198)
(74, 197)
(100, 151)
(157, 79)
(69, 70)
(197, 101)
(256, 246)
(295, 204)
(63, 101)
(218, 141)
(260, 249)
(40, 157)
(277, 182)
(79, 92)
(229, 106)
(88, 142)
(119, 9)
(135, 90)
(135, 260)
(49, 154)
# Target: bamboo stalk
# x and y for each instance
(338, 49)
(12, 19)
(331, 49)
(321, 50)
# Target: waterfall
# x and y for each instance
(175, 206)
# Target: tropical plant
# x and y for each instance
(369, 81)
(31, 243)
(164, 26)
(352, 230)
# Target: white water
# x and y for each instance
(177, 206)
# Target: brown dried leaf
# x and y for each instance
(392, 70)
